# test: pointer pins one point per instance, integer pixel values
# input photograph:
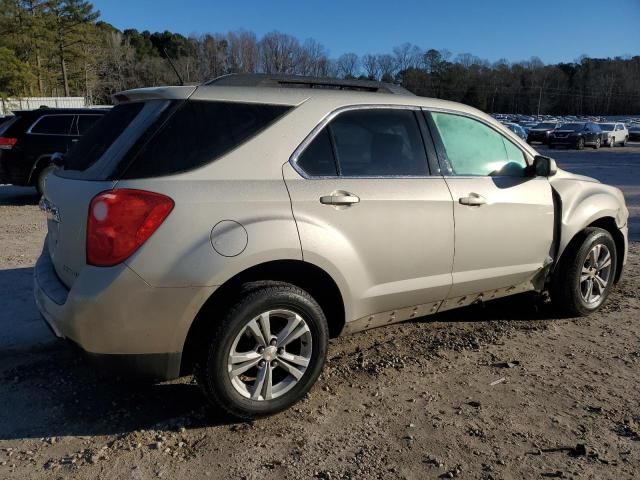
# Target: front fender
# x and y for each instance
(583, 203)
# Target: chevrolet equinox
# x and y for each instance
(230, 229)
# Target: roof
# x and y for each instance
(300, 81)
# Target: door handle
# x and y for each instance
(342, 199)
(473, 200)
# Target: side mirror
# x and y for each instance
(544, 166)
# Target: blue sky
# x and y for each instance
(554, 30)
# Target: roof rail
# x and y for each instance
(300, 81)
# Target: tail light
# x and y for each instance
(7, 143)
(120, 221)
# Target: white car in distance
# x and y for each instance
(614, 133)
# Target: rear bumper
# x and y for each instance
(120, 321)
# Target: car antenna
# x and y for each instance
(166, 55)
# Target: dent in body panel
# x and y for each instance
(584, 202)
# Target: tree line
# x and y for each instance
(62, 48)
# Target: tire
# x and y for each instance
(580, 144)
(41, 181)
(569, 287)
(596, 145)
(624, 142)
(612, 142)
(288, 308)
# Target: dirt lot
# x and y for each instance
(415, 400)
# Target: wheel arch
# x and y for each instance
(607, 223)
(311, 278)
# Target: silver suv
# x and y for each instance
(230, 229)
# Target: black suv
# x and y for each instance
(577, 135)
(542, 132)
(31, 137)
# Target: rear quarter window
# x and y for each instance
(197, 133)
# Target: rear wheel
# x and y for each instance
(597, 144)
(584, 278)
(266, 352)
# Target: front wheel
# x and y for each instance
(596, 145)
(584, 278)
(612, 142)
(266, 352)
(580, 144)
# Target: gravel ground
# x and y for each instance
(500, 391)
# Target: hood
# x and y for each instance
(564, 175)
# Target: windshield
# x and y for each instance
(576, 127)
(607, 126)
(546, 125)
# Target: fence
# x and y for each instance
(8, 105)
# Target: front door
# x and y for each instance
(504, 219)
(370, 214)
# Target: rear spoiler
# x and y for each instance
(154, 93)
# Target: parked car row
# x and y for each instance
(573, 132)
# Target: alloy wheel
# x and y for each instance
(595, 275)
(270, 355)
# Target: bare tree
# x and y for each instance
(279, 53)
(348, 65)
(371, 66)
(387, 66)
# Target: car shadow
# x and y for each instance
(12, 195)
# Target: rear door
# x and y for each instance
(368, 209)
(504, 220)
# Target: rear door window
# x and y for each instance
(375, 142)
(197, 133)
(52, 125)
(318, 159)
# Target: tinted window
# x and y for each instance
(473, 148)
(7, 122)
(317, 158)
(53, 125)
(85, 122)
(198, 133)
(379, 142)
(91, 146)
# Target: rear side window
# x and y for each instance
(53, 125)
(198, 133)
(367, 143)
(85, 122)
(109, 127)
